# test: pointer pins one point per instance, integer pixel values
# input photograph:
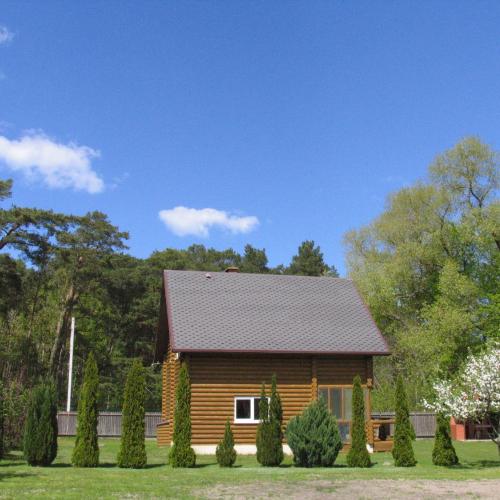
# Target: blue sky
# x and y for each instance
(288, 120)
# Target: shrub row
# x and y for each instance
(313, 436)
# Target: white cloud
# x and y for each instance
(58, 165)
(5, 35)
(183, 221)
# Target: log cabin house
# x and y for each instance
(234, 330)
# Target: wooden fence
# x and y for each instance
(423, 423)
(109, 423)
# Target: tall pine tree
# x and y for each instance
(181, 454)
(402, 450)
(40, 433)
(443, 452)
(358, 455)
(86, 450)
(132, 452)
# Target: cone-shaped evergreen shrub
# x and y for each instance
(225, 452)
(402, 450)
(1, 420)
(314, 436)
(86, 450)
(181, 454)
(269, 432)
(40, 432)
(358, 455)
(443, 452)
(132, 452)
(264, 435)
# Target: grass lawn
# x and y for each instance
(479, 460)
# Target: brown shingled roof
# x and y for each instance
(238, 312)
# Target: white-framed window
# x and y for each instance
(246, 409)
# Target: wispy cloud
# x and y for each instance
(5, 35)
(184, 221)
(58, 165)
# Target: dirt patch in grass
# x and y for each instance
(370, 489)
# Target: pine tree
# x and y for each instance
(402, 450)
(181, 454)
(358, 455)
(314, 436)
(86, 450)
(443, 452)
(40, 434)
(225, 452)
(132, 452)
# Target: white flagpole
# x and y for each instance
(70, 367)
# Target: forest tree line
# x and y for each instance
(428, 267)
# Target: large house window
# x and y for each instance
(246, 410)
(339, 401)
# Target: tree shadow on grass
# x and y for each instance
(14, 475)
(478, 464)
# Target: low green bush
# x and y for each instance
(314, 436)
(225, 452)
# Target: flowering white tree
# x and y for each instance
(475, 393)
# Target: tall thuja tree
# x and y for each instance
(276, 423)
(86, 450)
(132, 452)
(443, 452)
(358, 455)
(264, 430)
(181, 454)
(402, 450)
(40, 433)
(1, 420)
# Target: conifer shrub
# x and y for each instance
(2, 418)
(263, 438)
(181, 453)
(443, 452)
(225, 452)
(402, 450)
(132, 453)
(314, 436)
(358, 455)
(86, 450)
(269, 432)
(40, 432)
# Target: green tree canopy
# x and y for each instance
(429, 265)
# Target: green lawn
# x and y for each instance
(479, 460)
